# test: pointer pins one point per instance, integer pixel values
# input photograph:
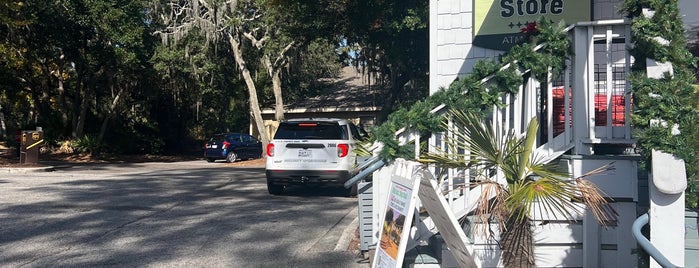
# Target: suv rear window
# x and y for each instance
(310, 131)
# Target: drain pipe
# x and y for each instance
(646, 245)
(371, 165)
(366, 163)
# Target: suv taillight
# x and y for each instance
(270, 149)
(225, 145)
(342, 149)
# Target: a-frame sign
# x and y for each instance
(404, 192)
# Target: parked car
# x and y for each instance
(312, 152)
(232, 147)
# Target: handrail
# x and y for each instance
(366, 163)
(368, 167)
(647, 245)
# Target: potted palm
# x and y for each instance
(526, 183)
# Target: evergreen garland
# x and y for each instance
(469, 94)
(671, 99)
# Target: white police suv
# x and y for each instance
(312, 152)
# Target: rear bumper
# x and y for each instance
(308, 177)
(213, 153)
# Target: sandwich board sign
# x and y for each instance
(436, 205)
(398, 220)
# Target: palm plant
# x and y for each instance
(515, 183)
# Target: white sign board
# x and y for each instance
(436, 205)
(395, 230)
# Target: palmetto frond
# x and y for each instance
(364, 148)
(471, 144)
(551, 196)
(490, 206)
(593, 197)
(532, 184)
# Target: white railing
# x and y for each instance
(594, 89)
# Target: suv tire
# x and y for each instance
(231, 157)
(275, 189)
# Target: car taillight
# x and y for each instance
(225, 145)
(270, 150)
(342, 149)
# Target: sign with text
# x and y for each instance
(397, 222)
(498, 23)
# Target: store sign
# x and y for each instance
(498, 23)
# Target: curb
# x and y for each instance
(347, 235)
(21, 170)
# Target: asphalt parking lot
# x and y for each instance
(177, 214)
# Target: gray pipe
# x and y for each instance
(376, 164)
(646, 245)
(366, 163)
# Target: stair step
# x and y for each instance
(421, 255)
(426, 255)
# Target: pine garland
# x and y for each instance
(672, 99)
(469, 94)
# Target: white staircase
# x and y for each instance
(586, 126)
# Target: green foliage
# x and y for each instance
(196, 91)
(63, 64)
(669, 101)
(310, 66)
(389, 40)
(87, 144)
(469, 94)
(531, 181)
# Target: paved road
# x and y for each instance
(184, 214)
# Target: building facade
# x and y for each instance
(453, 29)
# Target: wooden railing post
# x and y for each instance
(582, 114)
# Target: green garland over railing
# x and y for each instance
(470, 94)
(671, 99)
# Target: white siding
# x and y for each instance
(452, 52)
(561, 244)
(607, 9)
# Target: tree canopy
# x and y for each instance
(97, 77)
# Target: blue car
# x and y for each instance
(232, 147)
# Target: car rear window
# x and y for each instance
(218, 138)
(310, 131)
(234, 137)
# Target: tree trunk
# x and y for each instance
(110, 113)
(80, 102)
(275, 73)
(396, 88)
(277, 88)
(252, 90)
(62, 94)
(3, 126)
(518, 243)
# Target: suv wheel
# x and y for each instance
(231, 157)
(210, 160)
(275, 189)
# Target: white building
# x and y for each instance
(596, 132)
